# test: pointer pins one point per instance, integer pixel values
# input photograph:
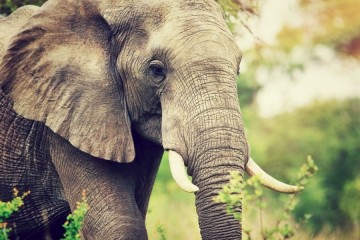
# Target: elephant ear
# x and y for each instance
(60, 70)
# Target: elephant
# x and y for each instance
(93, 93)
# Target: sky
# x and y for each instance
(327, 77)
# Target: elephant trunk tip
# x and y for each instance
(268, 181)
(177, 168)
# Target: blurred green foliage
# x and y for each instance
(350, 202)
(8, 6)
(335, 23)
(329, 131)
(161, 232)
(247, 87)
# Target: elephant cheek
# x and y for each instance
(150, 128)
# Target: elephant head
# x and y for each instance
(102, 73)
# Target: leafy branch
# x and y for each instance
(7, 209)
(75, 220)
(72, 225)
(238, 192)
(239, 11)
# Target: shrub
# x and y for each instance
(72, 225)
(249, 193)
(75, 220)
(7, 209)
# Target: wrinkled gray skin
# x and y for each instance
(92, 92)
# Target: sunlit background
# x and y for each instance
(299, 92)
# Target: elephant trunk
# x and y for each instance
(207, 132)
(224, 149)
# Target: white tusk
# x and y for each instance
(177, 168)
(268, 181)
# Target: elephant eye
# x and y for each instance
(157, 71)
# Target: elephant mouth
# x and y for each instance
(177, 168)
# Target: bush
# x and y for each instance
(75, 220)
(7, 209)
(72, 225)
(249, 193)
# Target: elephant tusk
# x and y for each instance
(177, 168)
(254, 170)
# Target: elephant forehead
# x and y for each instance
(183, 5)
(179, 24)
(180, 41)
(158, 13)
(199, 5)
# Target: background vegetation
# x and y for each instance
(328, 129)
(8, 6)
